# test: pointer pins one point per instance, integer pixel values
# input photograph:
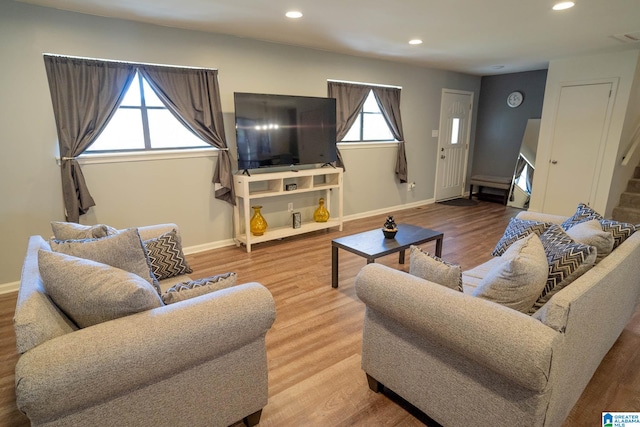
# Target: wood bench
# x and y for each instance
(497, 182)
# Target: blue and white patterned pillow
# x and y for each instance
(194, 288)
(583, 213)
(620, 230)
(567, 261)
(517, 229)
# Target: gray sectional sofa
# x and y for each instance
(467, 361)
(197, 362)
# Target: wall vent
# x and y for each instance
(628, 37)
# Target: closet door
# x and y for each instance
(580, 132)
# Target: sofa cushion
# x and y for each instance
(194, 288)
(567, 261)
(434, 269)
(517, 229)
(123, 250)
(90, 292)
(167, 258)
(517, 279)
(591, 233)
(583, 213)
(73, 231)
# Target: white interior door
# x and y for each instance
(579, 136)
(453, 143)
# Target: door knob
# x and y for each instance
(442, 156)
(441, 148)
(554, 162)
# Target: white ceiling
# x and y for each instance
(471, 36)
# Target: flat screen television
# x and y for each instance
(284, 130)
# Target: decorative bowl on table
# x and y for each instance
(389, 229)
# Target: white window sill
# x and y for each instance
(142, 156)
(345, 146)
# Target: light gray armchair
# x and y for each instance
(199, 362)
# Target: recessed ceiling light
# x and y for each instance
(563, 5)
(293, 14)
(415, 41)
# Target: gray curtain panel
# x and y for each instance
(388, 99)
(85, 95)
(349, 101)
(193, 96)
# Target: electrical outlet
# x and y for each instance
(290, 207)
(411, 186)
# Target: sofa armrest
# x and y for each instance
(504, 340)
(98, 363)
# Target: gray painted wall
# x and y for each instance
(500, 128)
(180, 190)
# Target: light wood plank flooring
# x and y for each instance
(314, 346)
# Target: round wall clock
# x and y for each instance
(515, 98)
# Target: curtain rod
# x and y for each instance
(364, 84)
(128, 62)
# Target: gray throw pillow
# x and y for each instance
(165, 254)
(123, 250)
(434, 269)
(90, 292)
(73, 231)
(517, 229)
(517, 279)
(194, 288)
(591, 233)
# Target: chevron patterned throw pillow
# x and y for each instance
(517, 229)
(167, 259)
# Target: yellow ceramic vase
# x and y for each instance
(321, 214)
(258, 225)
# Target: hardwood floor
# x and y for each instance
(314, 346)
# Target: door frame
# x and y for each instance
(594, 201)
(467, 138)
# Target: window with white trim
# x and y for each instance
(143, 123)
(370, 126)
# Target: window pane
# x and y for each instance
(167, 132)
(370, 104)
(123, 132)
(150, 97)
(376, 129)
(132, 97)
(455, 131)
(354, 132)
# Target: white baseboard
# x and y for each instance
(6, 288)
(389, 209)
(188, 250)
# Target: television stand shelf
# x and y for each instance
(249, 188)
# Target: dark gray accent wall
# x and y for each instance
(500, 128)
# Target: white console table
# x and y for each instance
(266, 185)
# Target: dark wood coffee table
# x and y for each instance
(372, 245)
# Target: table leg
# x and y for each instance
(401, 257)
(334, 266)
(439, 247)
